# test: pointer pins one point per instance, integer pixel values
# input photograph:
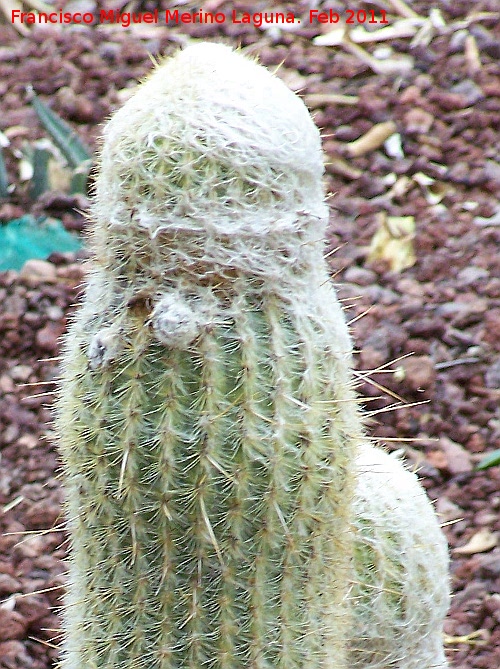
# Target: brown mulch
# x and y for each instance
(444, 310)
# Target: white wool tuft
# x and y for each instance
(219, 135)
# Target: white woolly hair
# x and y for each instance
(212, 170)
(221, 145)
(400, 591)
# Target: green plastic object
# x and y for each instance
(490, 460)
(24, 238)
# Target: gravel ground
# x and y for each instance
(444, 309)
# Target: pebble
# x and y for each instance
(13, 655)
(419, 372)
(469, 90)
(48, 337)
(42, 514)
(33, 607)
(418, 121)
(30, 547)
(13, 625)
(21, 372)
(75, 107)
(6, 384)
(489, 564)
(492, 376)
(426, 326)
(458, 460)
(471, 274)
(35, 272)
(8, 585)
(360, 276)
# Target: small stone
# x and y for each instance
(75, 271)
(491, 171)
(471, 274)
(410, 95)
(476, 443)
(485, 518)
(470, 90)
(426, 326)
(360, 276)
(419, 372)
(458, 460)
(54, 313)
(12, 625)
(35, 272)
(30, 547)
(42, 514)
(470, 311)
(76, 107)
(48, 337)
(411, 287)
(29, 441)
(6, 384)
(418, 121)
(8, 585)
(370, 358)
(492, 603)
(21, 372)
(448, 510)
(14, 656)
(33, 607)
(492, 376)
(448, 101)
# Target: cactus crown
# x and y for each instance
(218, 135)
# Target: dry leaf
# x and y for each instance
(359, 35)
(340, 166)
(393, 242)
(403, 9)
(4, 140)
(399, 29)
(393, 146)
(482, 541)
(434, 191)
(401, 186)
(373, 139)
(396, 64)
(472, 55)
(476, 638)
(314, 100)
(332, 38)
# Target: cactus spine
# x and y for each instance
(207, 419)
(207, 422)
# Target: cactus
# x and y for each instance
(400, 591)
(206, 416)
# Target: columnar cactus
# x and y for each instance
(207, 421)
(400, 591)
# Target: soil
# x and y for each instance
(427, 334)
